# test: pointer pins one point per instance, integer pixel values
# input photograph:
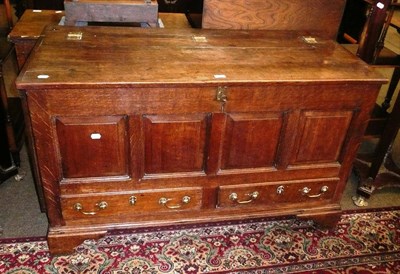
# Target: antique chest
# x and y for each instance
(152, 127)
(28, 29)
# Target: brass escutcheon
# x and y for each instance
(221, 95)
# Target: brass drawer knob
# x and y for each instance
(100, 206)
(252, 196)
(132, 200)
(307, 190)
(164, 201)
(280, 190)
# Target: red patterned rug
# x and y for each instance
(362, 243)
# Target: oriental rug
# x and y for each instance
(362, 242)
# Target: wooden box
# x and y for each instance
(83, 12)
(170, 126)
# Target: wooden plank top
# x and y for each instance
(32, 23)
(151, 56)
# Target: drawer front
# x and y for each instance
(271, 194)
(131, 203)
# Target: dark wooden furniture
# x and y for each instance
(8, 13)
(143, 135)
(371, 49)
(11, 116)
(369, 44)
(300, 15)
(383, 125)
(369, 168)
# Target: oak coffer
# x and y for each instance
(149, 127)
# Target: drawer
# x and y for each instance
(271, 194)
(130, 203)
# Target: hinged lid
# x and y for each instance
(136, 56)
(32, 23)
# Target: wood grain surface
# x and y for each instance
(320, 17)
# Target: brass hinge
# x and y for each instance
(310, 40)
(74, 35)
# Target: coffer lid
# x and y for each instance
(124, 56)
(32, 23)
